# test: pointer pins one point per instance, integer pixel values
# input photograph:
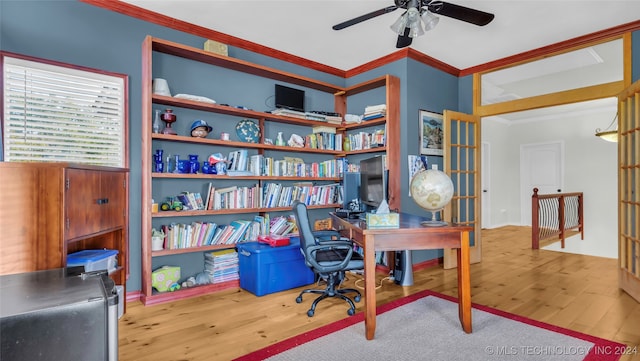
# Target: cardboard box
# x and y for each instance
(216, 47)
(383, 220)
(265, 269)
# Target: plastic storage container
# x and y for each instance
(265, 269)
(94, 259)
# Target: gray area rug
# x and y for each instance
(428, 328)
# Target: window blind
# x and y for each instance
(59, 114)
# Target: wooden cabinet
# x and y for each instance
(53, 209)
(94, 201)
(158, 186)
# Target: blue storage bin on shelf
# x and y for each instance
(265, 269)
(94, 260)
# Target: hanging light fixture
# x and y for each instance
(415, 20)
(610, 134)
(430, 21)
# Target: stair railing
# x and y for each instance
(555, 214)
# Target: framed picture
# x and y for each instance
(430, 133)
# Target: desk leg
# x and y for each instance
(464, 283)
(370, 289)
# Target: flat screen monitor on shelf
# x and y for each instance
(373, 181)
(289, 98)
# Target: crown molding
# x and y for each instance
(169, 22)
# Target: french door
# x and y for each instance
(628, 188)
(461, 152)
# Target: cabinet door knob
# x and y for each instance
(102, 200)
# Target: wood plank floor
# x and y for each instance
(572, 291)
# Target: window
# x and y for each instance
(59, 113)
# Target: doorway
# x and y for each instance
(542, 167)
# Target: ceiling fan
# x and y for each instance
(418, 12)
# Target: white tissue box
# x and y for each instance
(383, 220)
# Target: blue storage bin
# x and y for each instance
(265, 269)
(94, 259)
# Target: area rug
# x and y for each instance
(425, 326)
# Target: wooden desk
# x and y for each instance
(411, 235)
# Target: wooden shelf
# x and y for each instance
(151, 47)
(188, 213)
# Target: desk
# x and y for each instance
(410, 235)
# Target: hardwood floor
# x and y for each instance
(572, 291)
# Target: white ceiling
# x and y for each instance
(303, 27)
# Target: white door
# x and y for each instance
(542, 167)
(485, 176)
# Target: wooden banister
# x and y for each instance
(554, 214)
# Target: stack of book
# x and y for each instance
(374, 112)
(222, 265)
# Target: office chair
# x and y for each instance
(328, 255)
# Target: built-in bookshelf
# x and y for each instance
(283, 172)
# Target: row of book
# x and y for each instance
(259, 165)
(273, 195)
(365, 140)
(222, 266)
(191, 201)
(324, 140)
(295, 167)
(199, 234)
(233, 197)
(278, 195)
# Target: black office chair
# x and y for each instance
(328, 255)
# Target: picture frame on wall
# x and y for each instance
(431, 133)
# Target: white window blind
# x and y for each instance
(59, 114)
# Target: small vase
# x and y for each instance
(280, 139)
(346, 144)
(157, 123)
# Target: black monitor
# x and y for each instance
(373, 181)
(289, 98)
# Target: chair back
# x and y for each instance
(304, 226)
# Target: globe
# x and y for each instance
(432, 190)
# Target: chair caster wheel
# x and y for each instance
(357, 298)
(310, 313)
(299, 299)
(351, 312)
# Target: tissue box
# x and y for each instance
(383, 220)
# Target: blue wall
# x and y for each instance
(82, 34)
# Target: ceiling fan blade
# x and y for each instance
(404, 40)
(469, 15)
(364, 17)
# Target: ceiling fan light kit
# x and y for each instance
(420, 14)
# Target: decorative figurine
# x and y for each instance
(200, 129)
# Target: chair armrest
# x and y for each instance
(328, 246)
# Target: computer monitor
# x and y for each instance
(373, 181)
